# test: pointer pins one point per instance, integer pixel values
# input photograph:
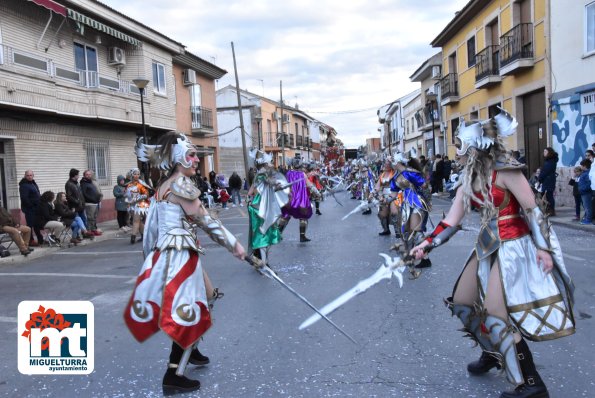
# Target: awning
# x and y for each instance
(85, 20)
(51, 5)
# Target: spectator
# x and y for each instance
(213, 179)
(221, 181)
(29, 192)
(591, 157)
(74, 195)
(584, 188)
(575, 192)
(547, 178)
(20, 234)
(47, 217)
(235, 186)
(71, 219)
(121, 204)
(93, 196)
(535, 184)
(251, 174)
(447, 168)
(437, 174)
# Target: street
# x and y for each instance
(408, 343)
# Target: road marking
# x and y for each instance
(573, 257)
(8, 319)
(97, 253)
(72, 275)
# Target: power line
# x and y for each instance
(348, 111)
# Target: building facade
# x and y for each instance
(67, 96)
(494, 55)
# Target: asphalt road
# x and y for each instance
(408, 344)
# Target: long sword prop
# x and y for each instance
(363, 205)
(391, 267)
(266, 271)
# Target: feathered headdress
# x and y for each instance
(155, 153)
(260, 157)
(482, 135)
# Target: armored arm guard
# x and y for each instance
(216, 231)
(442, 234)
(540, 228)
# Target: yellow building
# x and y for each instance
(494, 55)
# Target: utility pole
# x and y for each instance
(242, 132)
(282, 134)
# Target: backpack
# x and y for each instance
(4, 251)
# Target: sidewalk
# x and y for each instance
(564, 215)
(110, 230)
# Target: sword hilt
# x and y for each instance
(254, 261)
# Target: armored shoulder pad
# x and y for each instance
(185, 188)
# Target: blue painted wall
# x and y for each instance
(572, 133)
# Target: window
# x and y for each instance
(493, 110)
(85, 62)
(455, 125)
(1, 48)
(98, 161)
(471, 52)
(195, 103)
(474, 115)
(590, 28)
(159, 78)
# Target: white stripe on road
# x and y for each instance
(573, 257)
(72, 275)
(8, 319)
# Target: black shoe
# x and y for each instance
(31, 250)
(369, 211)
(132, 239)
(384, 233)
(537, 390)
(304, 239)
(26, 252)
(55, 238)
(424, 263)
(318, 212)
(483, 365)
(172, 383)
(196, 358)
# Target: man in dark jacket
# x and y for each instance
(437, 174)
(547, 178)
(74, 195)
(93, 196)
(30, 195)
(20, 234)
(235, 185)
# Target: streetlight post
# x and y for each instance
(258, 119)
(141, 83)
(430, 98)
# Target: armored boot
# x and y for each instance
(384, 224)
(303, 227)
(282, 223)
(471, 319)
(533, 386)
(172, 383)
(317, 204)
(196, 358)
(500, 333)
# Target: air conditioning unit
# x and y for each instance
(436, 72)
(116, 56)
(275, 116)
(285, 118)
(189, 77)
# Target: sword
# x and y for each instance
(390, 267)
(266, 271)
(282, 187)
(363, 205)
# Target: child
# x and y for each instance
(577, 196)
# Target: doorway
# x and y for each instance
(534, 117)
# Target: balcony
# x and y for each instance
(424, 117)
(516, 49)
(449, 87)
(487, 67)
(202, 121)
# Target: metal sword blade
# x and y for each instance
(382, 273)
(269, 273)
(359, 207)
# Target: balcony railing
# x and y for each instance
(516, 44)
(487, 62)
(202, 118)
(449, 85)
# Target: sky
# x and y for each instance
(339, 60)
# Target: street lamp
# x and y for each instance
(430, 98)
(141, 83)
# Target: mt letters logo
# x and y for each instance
(56, 337)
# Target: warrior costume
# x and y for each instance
(538, 304)
(265, 207)
(300, 206)
(383, 189)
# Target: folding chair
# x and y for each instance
(49, 240)
(66, 236)
(5, 238)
